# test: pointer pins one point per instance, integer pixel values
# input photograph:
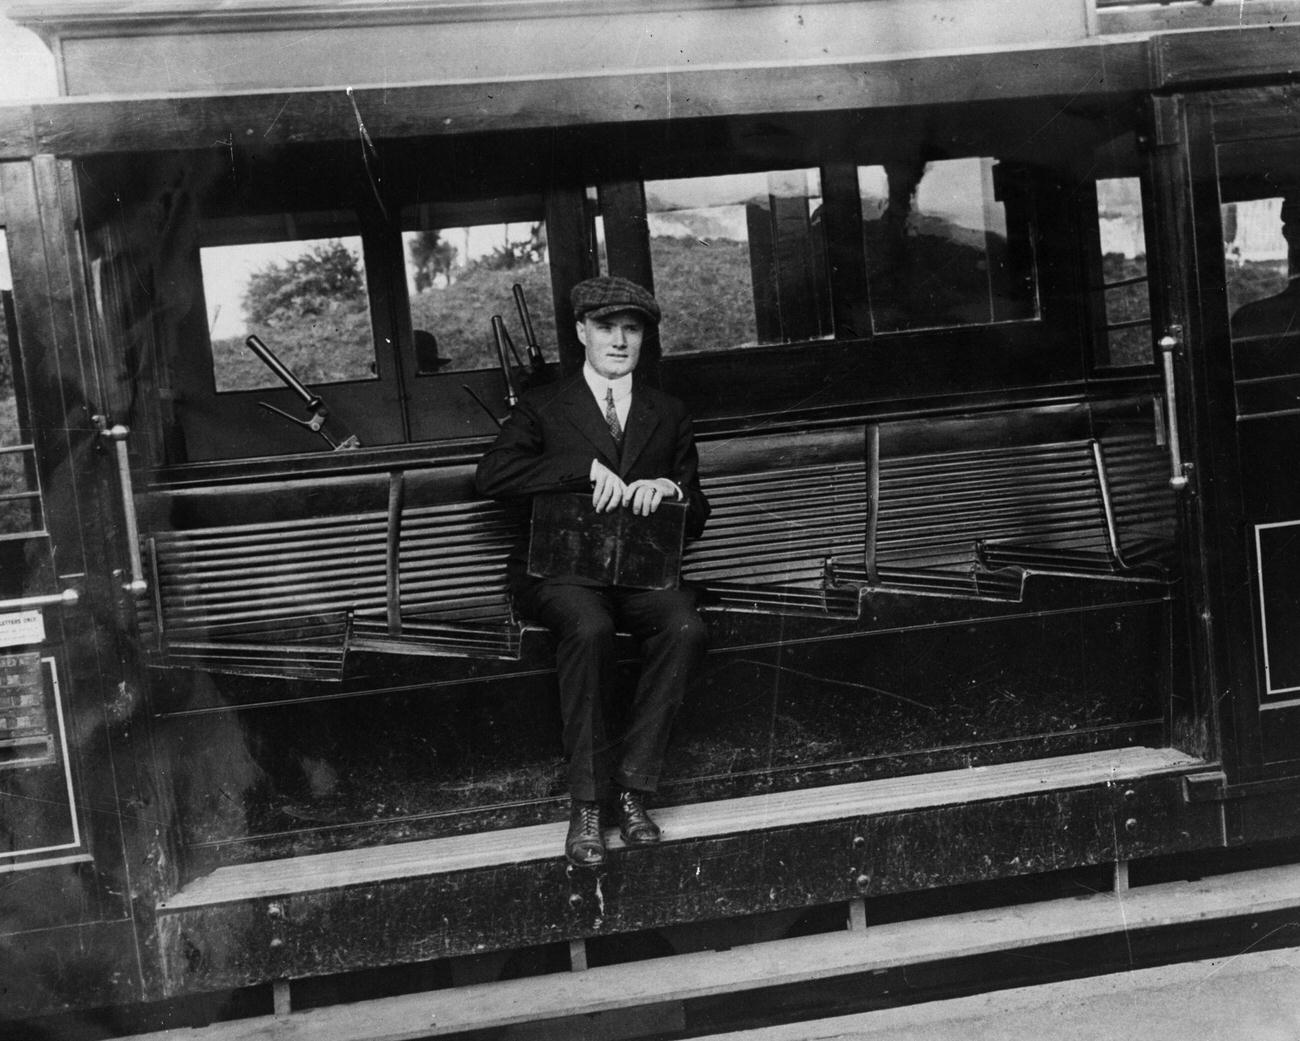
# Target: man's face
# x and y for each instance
(613, 342)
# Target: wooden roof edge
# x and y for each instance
(88, 125)
(73, 19)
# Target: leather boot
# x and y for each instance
(584, 846)
(634, 823)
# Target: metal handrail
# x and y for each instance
(118, 435)
(1178, 469)
(27, 603)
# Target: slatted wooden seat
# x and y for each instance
(292, 596)
(973, 522)
(786, 510)
(802, 523)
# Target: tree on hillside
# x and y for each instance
(516, 253)
(432, 257)
(312, 311)
(324, 280)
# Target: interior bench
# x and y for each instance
(803, 523)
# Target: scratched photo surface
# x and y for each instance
(966, 403)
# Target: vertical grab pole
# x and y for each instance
(118, 435)
(1178, 470)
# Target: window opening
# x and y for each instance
(298, 281)
(22, 516)
(1259, 265)
(948, 244)
(458, 277)
(1121, 225)
(739, 260)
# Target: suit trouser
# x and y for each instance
(584, 620)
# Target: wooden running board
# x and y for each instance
(690, 976)
(323, 871)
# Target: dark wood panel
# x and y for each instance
(1201, 59)
(17, 134)
(79, 127)
(53, 970)
(573, 258)
(627, 236)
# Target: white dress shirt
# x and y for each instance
(622, 391)
(622, 388)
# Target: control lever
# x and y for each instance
(317, 410)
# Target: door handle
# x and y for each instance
(1178, 469)
(118, 435)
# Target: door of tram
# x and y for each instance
(66, 702)
(1233, 344)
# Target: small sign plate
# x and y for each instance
(20, 628)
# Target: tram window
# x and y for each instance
(739, 260)
(21, 512)
(1258, 264)
(298, 281)
(942, 248)
(458, 277)
(1126, 287)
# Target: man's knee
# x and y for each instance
(588, 629)
(689, 629)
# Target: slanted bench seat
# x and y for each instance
(803, 523)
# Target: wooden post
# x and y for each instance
(578, 955)
(858, 915)
(281, 998)
(1121, 876)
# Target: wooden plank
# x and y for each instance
(842, 221)
(680, 823)
(627, 235)
(777, 963)
(1236, 55)
(1126, 16)
(77, 127)
(75, 19)
(1247, 995)
(17, 135)
(573, 258)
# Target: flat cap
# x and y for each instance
(609, 294)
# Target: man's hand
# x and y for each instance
(646, 495)
(608, 492)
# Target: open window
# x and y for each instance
(26, 559)
(1125, 339)
(739, 260)
(298, 281)
(461, 264)
(948, 244)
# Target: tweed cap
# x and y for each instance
(609, 294)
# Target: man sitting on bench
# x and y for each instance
(632, 446)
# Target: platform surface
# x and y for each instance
(267, 879)
(1252, 996)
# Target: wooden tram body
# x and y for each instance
(991, 591)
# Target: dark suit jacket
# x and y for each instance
(1277, 315)
(549, 440)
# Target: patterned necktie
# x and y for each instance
(611, 417)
